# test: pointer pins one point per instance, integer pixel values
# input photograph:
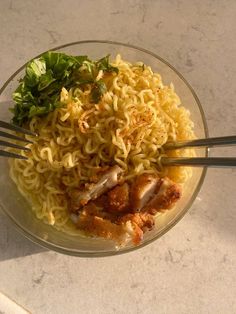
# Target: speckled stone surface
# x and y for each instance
(192, 269)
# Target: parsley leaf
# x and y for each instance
(98, 90)
(39, 91)
(103, 64)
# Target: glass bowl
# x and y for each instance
(19, 211)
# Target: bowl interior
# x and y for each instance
(16, 207)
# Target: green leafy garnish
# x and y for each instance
(103, 64)
(98, 90)
(39, 91)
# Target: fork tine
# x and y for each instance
(11, 155)
(14, 137)
(16, 128)
(8, 144)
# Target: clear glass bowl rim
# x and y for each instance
(71, 252)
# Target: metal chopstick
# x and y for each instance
(209, 142)
(199, 161)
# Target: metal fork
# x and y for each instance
(12, 127)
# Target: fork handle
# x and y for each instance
(199, 161)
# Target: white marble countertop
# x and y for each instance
(192, 269)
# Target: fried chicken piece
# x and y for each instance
(168, 194)
(107, 181)
(118, 199)
(100, 227)
(124, 211)
(142, 190)
(140, 222)
(143, 220)
(127, 226)
(103, 227)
